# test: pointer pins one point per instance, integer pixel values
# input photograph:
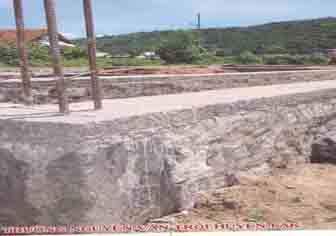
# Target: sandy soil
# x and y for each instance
(303, 194)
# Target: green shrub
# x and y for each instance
(220, 53)
(134, 52)
(70, 53)
(38, 55)
(248, 58)
(208, 59)
(128, 62)
(9, 55)
(286, 59)
(270, 49)
(180, 47)
(319, 59)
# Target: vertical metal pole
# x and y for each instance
(92, 50)
(20, 35)
(56, 55)
(199, 21)
(199, 33)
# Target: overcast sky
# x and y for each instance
(123, 16)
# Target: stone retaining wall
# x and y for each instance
(134, 86)
(134, 169)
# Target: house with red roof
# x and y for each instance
(40, 36)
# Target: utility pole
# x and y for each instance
(92, 51)
(50, 12)
(24, 65)
(199, 21)
(199, 30)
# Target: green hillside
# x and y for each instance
(295, 37)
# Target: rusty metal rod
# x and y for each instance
(50, 12)
(24, 64)
(92, 51)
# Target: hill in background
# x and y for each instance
(294, 37)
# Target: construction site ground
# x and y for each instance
(302, 195)
(11, 72)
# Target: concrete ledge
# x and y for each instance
(123, 108)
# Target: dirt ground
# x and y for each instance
(304, 195)
(214, 69)
(12, 73)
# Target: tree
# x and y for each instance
(70, 53)
(38, 53)
(319, 58)
(9, 55)
(179, 47)
(133, 52)
(248, 57)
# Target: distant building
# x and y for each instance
(141, 57)
(331, 53)
(102, 54)
(8, 37)
(120, 56)
(148, 55)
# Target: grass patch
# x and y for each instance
(109, 62)
(256, 215)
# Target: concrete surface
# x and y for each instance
(121, 108)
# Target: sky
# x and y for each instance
(114, 17)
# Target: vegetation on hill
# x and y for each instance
(293, 37)
(71, 57)
(294, 42)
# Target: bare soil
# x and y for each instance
(11, 73)
(214, 69)
(304, 195)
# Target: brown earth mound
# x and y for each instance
(304, 195)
